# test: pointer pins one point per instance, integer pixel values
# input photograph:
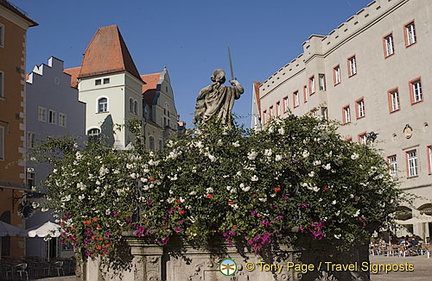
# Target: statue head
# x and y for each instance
(218, 76)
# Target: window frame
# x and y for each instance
(2, 35)
(106, 80)
(429, 156)
(52, 117)
(31, 138)
(391, 95)
(271, 113)
(321, 82)
(415, 167)
(337, 75)
(407, 35)
(360, 108)
(2, 80)
(413, 91)
(392, 165)
(2, 143)
(352, 66)
(312, 86)
(285, 104)
(98, 82)
(104, 105)
(91, 135)
(296, 99)
(278, 109)
(362, 138)
(305, 94)
(388, 45)
(264, 117)
(346, 114)
(44, 119)
(62, 120)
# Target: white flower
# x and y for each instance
(81, 186)
(209, 190)
(355, 156)
(130, 166)
(262, 199)
(254, 178)
(81, 197)
(234, 206)
(108, 212)
(116, 172)
(35, 205)
(181, 200)
(327, 167)
(212, 158)
(317, 162)
(311, 174)
(313, 188)
(236, 144)
(44, 209)
(268, 152)
(66, 198)
(357, 213)
(103, 171)
(305, 154)
(244, 188)
(252, 155)
(337, 236)
(229, 188)
(334, 202)
(192, 193)
(278, 157)
(337, 213)
(281, 131)
(170, 200)
(133, 176)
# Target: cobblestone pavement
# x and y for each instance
(421, 264)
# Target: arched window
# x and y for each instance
(135, 107)
(151, 143)
(93, 134)
(131, 105)
(103, 105)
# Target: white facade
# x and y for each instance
(372, 73)
(108, 100)
(53, 109)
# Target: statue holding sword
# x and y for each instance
(215, 102)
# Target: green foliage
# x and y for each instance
(225, 183)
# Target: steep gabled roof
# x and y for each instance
(257, 95)
(18, 12)
(150, 87)
(107, 53)
(73, 72)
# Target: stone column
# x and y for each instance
(147, 261)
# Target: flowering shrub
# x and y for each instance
(251, 189)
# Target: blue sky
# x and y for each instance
(189, 37)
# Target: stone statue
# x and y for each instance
(215, 102)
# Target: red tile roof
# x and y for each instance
(257, 96)
(150, 86)
(107, 53)
(73, 72)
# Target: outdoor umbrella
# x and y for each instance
(48, 229)
(10, 230)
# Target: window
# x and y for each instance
(151, 143)
(392, 162)
(131, 105)
(135, 108)
(410, 34)
(31, 178)
(393, 97)
(412, 163)
(324, 113)
(296, 100)
(362, 138)
(103, 105)
(52, 117)
(31, 139)
(62, 119)
(264, 117)
(416, 91)
(1, 85)
(312, 85)
(305, 94)
(336, 75)
(388, 45)
(285, 104)
(106, 80)
(2, 140)
(42, 114)
(98, 82)
(321, 81)
(278, 109)
(360, 108)
(271, 111)
(429, 155)
(93, 134)
(2, 28)
(352, 66)
(346, 115)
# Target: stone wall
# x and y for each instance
(176, 262)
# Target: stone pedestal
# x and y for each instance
(177, 262)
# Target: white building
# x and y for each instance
(372, 73)
(53, 109)
(114, 92)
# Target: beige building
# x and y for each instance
(373, 74)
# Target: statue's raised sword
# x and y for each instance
(231, 66)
